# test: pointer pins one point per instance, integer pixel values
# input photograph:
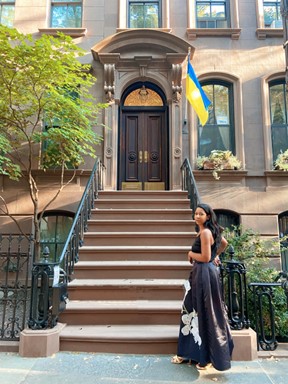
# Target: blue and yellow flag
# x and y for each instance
(196, 95)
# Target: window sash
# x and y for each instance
(279, 119)
(272, 14)
(66, 14)
(7, 12)
(212, 14)
(144, 14)
(218, 133)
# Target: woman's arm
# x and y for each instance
(205, 255)
(222, 246)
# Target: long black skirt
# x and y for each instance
(204, 335)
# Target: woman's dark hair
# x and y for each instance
(212, 223)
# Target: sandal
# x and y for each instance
(177, 360)
(203, 367)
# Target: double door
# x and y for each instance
(143, 151)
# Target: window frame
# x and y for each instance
(210, 3)
(123, 16)
(277, 125)
(233, 31)
(263, 32)
(3, 4)
(145, 2)
(232, 136)
(72, 3)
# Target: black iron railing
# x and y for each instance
(15, 289)
(263, 294)
(233, 277)
(49, 279)
(189, 184)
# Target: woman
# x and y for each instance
(204, 335)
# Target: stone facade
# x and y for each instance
(248, 55)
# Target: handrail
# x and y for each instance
(189, 184)
(49, 279)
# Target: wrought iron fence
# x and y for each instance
(15, 285)
(263, 295)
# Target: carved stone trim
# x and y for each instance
(108, 152)
(109, 82)
(194, 33)
(176, 75)
(177, 152)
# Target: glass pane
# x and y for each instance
(66, 16)
(7, 15)
(272, 15)
(203, 11)
(144, 15)
(151, 16)
(54, 232)
(136, 16)
(218, 11)
(216, 134)
(277, 104)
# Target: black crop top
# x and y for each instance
(196, 247)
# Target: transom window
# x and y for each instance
(213, 14)
(144, 14)
(7, 10)
(278, 116)
(218, 132)
(66, 13)
(272, 14)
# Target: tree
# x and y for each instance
(45, 103)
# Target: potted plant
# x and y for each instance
(217, 161)
(281, 162)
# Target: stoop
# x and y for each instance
(40, 343)
(245, 345)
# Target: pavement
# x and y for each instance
(96, 368)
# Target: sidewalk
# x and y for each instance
(89, 368)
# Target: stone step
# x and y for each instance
(132, 269)
(126, 289)
(142, 203)
(138, 238)
(141, 213)
(142, 252)
(142, 195)
(122, 312)
(140, 225)
(135, 339)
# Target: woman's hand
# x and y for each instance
(190, 257)
(217, 261)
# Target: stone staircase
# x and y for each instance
(128, 284)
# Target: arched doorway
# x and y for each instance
(143, 138)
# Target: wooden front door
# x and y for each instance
(143, 151)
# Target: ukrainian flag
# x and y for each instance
(196, 95)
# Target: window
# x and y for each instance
(66, 13)
(278, 116)
(227, 219)
(272, 14)
(218, 133)
(212, 14)
(7, 9)
(144, 14)
(55, 227)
